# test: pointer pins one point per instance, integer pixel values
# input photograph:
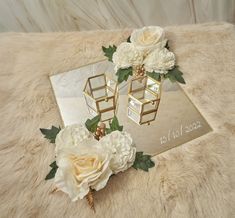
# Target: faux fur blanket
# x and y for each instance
(196, 179)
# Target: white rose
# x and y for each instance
(148, 38)
(121, 147)
(82, 168)
(73, 135)
(159, 61)
(126, 56)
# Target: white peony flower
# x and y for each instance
(159, 61)
(121, 147)
(73, 135)
(85, 163)
(126, 56)
(148, 38)
(82, 168)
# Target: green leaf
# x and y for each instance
(113, 126)
(91, 124)
(167, 45)
(170, 77)
(123, 74)
(175, 75)
(180, 79)
(129, 39)
(154, 75)
(143, 161)
(108, 52)
(50, 133)
(52, 172)
(53, 165)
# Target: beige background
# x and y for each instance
(71, 15)
(193, 180)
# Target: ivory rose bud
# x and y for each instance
(148, 38)
(82, 168)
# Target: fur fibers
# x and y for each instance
(196, 179)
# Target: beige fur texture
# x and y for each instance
(196, 179)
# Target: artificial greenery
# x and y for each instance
(52, 172)
(51, 133)
(114, 125)
(167, 45)
(143, 161)
(175, 75)
(108, 52)
(123, 74)
(91, 124)
(154, 75)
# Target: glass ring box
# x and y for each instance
(177, 121)
(101, 95)
(143, 99)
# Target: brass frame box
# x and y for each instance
(101, 95)
(143, 99)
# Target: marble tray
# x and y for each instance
(178, 120)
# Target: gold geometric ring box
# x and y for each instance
(101, 95)
(143, 99)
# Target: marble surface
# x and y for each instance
(178, 121)
(73, 15)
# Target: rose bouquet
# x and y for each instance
(146, 52)
(87, 155)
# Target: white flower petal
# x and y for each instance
(159, 61)
(123, 152)
(148, 38)
(126, 56)
(103, 178)
(73, 135)
(81, 163)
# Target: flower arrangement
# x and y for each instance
(146, 52)
(88, 154)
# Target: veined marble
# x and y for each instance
(73, 15)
